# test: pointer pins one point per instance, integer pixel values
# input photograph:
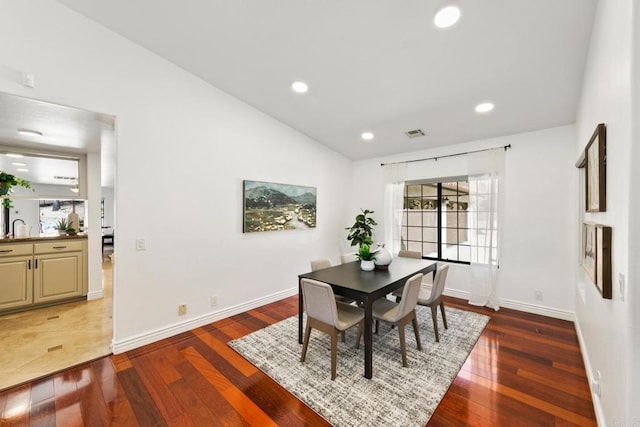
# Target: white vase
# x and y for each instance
(383, 258)
(367, 265)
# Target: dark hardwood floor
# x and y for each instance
(525, 370)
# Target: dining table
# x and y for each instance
(350, 281)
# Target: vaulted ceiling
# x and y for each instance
(376, 66)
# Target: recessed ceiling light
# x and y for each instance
(485, 107)
(22, 170)
(367, 136)
(299, 87)
(18, 164)
(29, 132)
(447, 15)
(14, 155)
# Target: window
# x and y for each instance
(51, 211)
(435, 220)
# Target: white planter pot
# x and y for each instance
(367, 265)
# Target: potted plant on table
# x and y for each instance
(366, 257)
(7, 182)
(360, 234)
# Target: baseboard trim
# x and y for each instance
(538, 309)
(597, 406)
(95, 295)
(521, 306)
(158, 334)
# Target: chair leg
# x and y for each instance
(444, 316)
(360, 328)
(414, 322)
(307, 333)
(403, 346)
(434, 316)
(377, 327)
(334, 354)
(342, 336)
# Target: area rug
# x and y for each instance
(394, 396)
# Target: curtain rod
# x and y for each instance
(447, 155)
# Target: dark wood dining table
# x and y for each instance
(366, 286)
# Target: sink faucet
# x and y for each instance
(13, 226)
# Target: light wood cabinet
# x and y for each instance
(33, 274)
(16, 280)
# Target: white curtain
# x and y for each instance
(394, 177)
(486, 178)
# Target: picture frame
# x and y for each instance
(596, 256)
(595, 160)
(603, 261)
(589, 250)
(269, 206)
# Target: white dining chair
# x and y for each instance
(324, 314)
(400, 314)
(433, 298)
(322, 263)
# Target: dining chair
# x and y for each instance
(320, 264)
(410, 254)
(399, 314)
(405, 254)
(324, 314)
(345, 258)
(433, 298)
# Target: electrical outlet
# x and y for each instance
(537, 295)
(595, 384)
(214, 301)
(141, 244)
(182, 309)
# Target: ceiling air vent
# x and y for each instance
(415, 133)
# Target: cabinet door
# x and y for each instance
(16, 281)
(57, 276)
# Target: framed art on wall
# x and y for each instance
(269, 206)
(595, 177)
(603, 261)
(589, 249)
(596, 256)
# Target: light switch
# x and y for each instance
(141, 244)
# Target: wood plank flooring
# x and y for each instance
(524, 370)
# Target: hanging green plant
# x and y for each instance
(7, 182)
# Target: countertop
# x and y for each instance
(41, 238)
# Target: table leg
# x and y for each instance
(300, 308)
(368, 337)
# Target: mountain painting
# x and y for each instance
(269, 206)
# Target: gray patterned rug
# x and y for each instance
(394, 396)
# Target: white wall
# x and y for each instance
(538, 225)
(183, 149)
(109, 197)
(607, 326)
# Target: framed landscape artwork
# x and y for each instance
(269, 206)
(603, 261)
(596, 256)
(589, 249)
(595, 176)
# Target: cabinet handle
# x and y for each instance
(36, 263)
(59, 247)
(29, 265)
(6, 251)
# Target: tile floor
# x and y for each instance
(39, 342)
